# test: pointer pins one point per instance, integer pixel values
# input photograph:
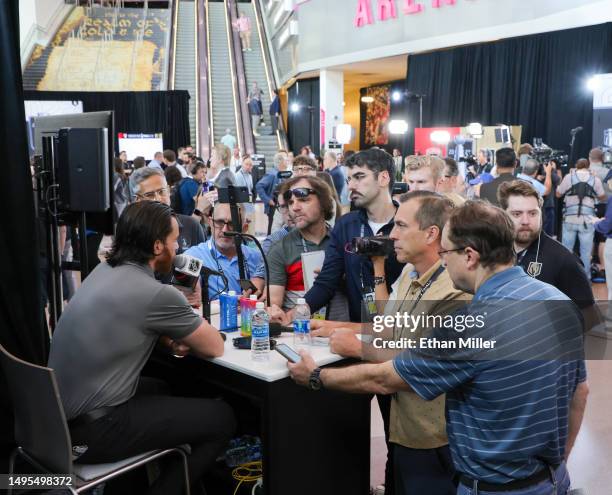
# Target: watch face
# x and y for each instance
(314, 383)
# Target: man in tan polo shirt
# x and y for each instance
(422, 459)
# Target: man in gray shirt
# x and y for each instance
(106, 335)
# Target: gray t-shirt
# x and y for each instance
(107, 333)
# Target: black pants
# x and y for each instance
(424, 471)
(384, 403)
(149, 421)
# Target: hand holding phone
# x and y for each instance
(288, 353)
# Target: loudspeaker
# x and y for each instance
(83, 169)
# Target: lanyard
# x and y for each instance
(219, 267)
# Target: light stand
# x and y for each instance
(573, 133)
(238, 235)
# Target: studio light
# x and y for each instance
(367, 99)
(440, 137)
(398, 127)
(593, 83)
(294, 107)
(344, 133)
(396, 96)
(475, 130)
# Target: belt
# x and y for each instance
(512, 485)
(90, 417)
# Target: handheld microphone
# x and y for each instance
(188, 269)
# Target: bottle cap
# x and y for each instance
(253, 297)
(301, 300)
(259, 305)
(232, 292)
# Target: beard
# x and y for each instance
(526, 237)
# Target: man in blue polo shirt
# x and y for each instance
(516, 393)
(219, 254)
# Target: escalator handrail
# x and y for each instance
(203, 118)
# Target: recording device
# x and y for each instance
(242, 195)
(244, 343)
(372, 246)
(187, 271)
(545, 154)
(287, 352)
(399, 188)
(285, 174)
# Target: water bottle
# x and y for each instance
(260, 334)
(301, 324)
(229, 310)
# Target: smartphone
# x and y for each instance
(288, 353)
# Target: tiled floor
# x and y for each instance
(588, 463)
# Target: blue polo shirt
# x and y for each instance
(213, 259)
(507, 411)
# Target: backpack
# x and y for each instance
(175, 196)
(582, 189)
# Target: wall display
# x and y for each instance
(145, 145)
(377, 115)
(42, 108)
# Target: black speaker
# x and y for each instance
(83, 169)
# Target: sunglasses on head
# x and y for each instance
(298, 192)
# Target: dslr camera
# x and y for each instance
(372, 246)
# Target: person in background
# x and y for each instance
(581, 189)
(229, 139)
(244, 178)
(598, 169)
(287, 226)
(243, 25)
(138, 162)
(604, 227)
(330, 164)
(173, 178)
(267, 184)
(179, 155)
(123, 158)
(255, 107)
(423, 173)
(550, 201)
(275, 111)
(399, 164)
(120, 188)
(236, 160)
(190, 188)
(524, 154)
(529, 173)
(484, 162)
(505, 159)
(170, 161)
(219, 167)
(305, 166)
(158, 161)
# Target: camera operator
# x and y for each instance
(530, 172)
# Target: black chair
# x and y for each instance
(42, 435)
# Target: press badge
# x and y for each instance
(369, 301)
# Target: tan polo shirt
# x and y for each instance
(416, 423)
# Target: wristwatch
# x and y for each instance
(197, 212)
(314, 383)
(379, 280)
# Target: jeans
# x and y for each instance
(545, 487)
(423, 471)
(585, 233)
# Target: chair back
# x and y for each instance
(40, 423)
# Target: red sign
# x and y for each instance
(423, 144)
(386, 9)
(322, 136)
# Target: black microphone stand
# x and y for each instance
(254, 239)
(571, 155)
(205, 297)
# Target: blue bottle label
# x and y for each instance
(301, 326)
(260, 331)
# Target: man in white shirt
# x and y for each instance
(158, 158)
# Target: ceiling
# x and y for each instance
(361, 74)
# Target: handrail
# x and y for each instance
(232, 58)
(170, 57)
(281, 134)
(203, 117)
(248, 144)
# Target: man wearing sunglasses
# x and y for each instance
(311, 205)
(219, 254)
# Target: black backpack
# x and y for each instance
(582, 189)
(175, 196)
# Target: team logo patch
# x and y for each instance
(534, 269)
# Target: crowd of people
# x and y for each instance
(461, 240)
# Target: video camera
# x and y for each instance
(372, 246)
(544, 155)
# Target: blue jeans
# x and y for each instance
(585, 234)
(545, 487)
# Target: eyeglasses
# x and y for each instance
(298, 192)
(304, 170)
(222, 223)
(162, 193)
(446, 251)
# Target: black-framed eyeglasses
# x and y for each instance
(442, 252)
(298, 192)
(222, 223)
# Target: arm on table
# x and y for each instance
(205, 341)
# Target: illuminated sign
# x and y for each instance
(387, 9)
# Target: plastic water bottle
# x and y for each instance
(228, 310)
(260, 334)
(301, 324)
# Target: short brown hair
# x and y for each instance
(434, 209)
(516, 188)
(304, 160)
(321, 189)
(170, 155)
(435, 163)
(582, 164)
(525, 149)
(596, 155)
(485, 228)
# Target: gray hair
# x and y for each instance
(531, 167)
(279, 158)
(332, 156)
(144, 173)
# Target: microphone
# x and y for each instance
(187, 271)
(576, 130)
